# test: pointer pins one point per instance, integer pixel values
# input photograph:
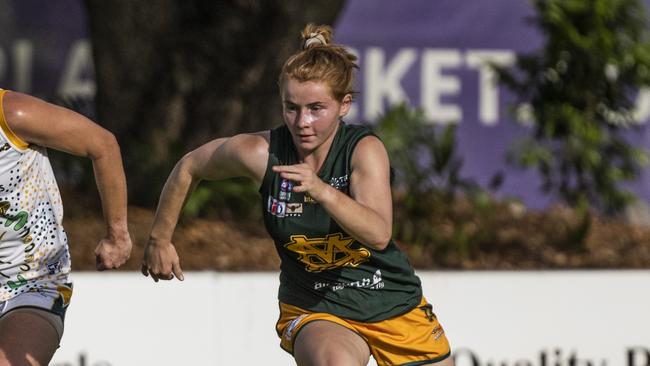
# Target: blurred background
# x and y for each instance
(517, 131)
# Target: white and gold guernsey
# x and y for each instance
(34, 254)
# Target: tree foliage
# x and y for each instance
(427, 182)
(172, 75)
(581, 88)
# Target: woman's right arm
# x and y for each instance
(242, 155)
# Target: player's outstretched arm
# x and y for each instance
(38, 122)
(241, 155)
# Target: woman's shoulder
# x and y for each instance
(368, 148)
(253, 140)
(353, 133)
(245, 153)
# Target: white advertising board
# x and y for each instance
(547, 318)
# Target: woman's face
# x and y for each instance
(311, 113)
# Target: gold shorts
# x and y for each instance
(414, 338)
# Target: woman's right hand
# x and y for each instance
(161, 261)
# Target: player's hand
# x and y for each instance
(113, 251)
(161, 261)
(304, 177)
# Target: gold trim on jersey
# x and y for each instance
(65, 292)
(11, 136)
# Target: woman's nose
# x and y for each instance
(305, 119)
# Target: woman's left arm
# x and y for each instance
(367, 214)
(38, 122)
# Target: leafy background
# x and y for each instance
(575, 99)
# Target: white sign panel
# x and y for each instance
(563, 318)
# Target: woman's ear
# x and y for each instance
(346, 104)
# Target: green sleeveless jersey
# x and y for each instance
(323, 268)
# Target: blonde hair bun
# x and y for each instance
(314, 35)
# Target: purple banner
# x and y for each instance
(432, 55)
(44, 48)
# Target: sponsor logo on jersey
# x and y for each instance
(374, 283)
(281, 209)
(339, 182)
(308, 200)
(294, 209)
(332, 251)
(285, 190)
(276, 207)
(54, 268)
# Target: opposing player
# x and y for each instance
(34, 258)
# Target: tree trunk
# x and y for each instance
(172, 75)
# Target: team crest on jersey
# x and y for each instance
(332, 251)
